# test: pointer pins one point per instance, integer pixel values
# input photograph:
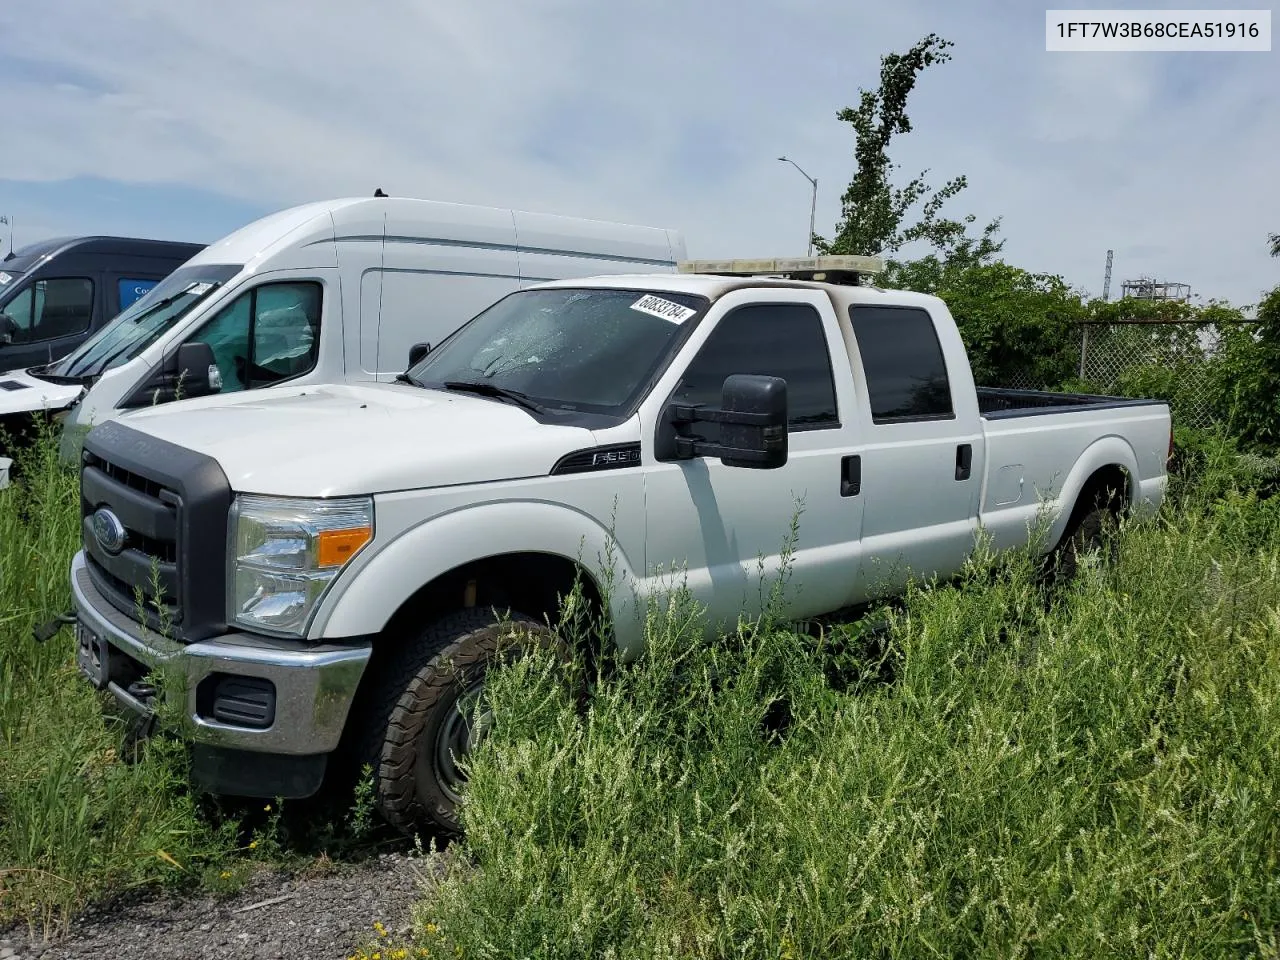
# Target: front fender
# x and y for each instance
(1111, 450)
(365, 598)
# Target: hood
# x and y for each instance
(340, 440)
(20, 392)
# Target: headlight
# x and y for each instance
(285, 552)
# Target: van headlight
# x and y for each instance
(285, 552)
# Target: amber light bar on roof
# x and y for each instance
(785, 266)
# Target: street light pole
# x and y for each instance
(813, 204)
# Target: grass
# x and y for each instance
(1002, 777)
(1099, 776)
(76, 822)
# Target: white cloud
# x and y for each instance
(665, 112)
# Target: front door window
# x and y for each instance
(266, 335)
(49, 310)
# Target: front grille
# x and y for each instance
(142, 578)
(172, 504)
(133, 481)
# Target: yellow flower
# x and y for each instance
(377, 925)
(225, 874)
(267, 808)
(431, 928)
(252, 844)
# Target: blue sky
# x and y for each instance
(138, 117)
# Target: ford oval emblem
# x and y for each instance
(109, 530)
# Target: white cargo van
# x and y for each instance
(330, 292)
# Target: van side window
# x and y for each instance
(49, 309)
(774, 339)
(266, 335)
(903, 361)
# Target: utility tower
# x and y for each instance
(1106, 280)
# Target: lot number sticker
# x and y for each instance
(657, 307)
(4, 278)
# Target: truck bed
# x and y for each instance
(995, 403)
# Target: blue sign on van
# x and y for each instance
(132, 290)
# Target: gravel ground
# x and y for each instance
(313, 918)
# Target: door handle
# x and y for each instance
(850, 475)
(964, 461)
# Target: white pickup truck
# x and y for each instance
(332, 563)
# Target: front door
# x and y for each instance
(45, 320)
(725, 531)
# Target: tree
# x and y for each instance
(873, 210)
(1246, 382)
(1018, 327)
(1274, 240)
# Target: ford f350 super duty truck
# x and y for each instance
(332, 563)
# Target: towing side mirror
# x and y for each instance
(753, 423)
(417, 352)
(196, 370)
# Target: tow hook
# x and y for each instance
(45, 631)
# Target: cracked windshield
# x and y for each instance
(566, 349)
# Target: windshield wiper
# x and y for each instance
(490, 390)
(405, 378)
(44, 373)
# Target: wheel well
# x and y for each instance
(531, 583)
(1107, 488)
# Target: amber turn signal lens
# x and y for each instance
(336, 547)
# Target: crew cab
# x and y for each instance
(327, 569)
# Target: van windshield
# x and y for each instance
(563, 349)
(149, 318)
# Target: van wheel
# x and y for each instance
(425, 720)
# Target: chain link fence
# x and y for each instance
(1170, 361)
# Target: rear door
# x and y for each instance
(922, 452)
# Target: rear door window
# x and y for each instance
(902, 358)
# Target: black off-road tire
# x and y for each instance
(1090, 533)
(414, 700)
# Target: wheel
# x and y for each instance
(424, 721)
(1089, 534)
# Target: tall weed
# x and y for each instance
(1095, 776)
(76, 823)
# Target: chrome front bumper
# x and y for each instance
(314, 683)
